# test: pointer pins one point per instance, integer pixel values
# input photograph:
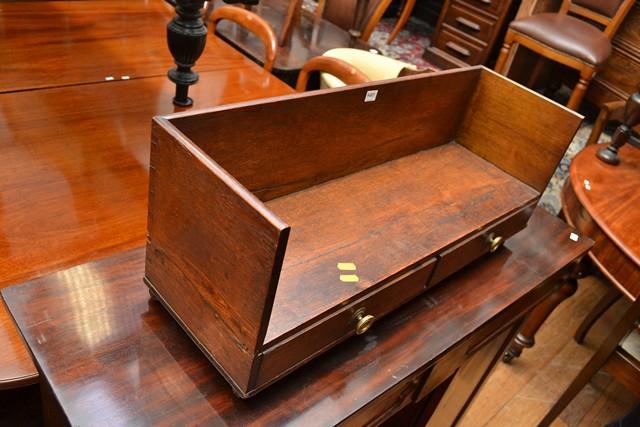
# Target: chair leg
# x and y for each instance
(601, 356)
(505, 52)
(603, 305)
(402, 21)
(535, 74)
(580, 89)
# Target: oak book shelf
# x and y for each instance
(280, 227)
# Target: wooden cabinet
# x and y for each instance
(621, 75)
(280, 228)
(467, 32)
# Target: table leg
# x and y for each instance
(526, 336)
(186, 37)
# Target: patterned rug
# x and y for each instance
(409, 47)
(551, 198)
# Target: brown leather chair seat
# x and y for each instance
(566, 34)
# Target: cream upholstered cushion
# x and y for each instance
(374, 66)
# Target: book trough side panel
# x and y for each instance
(214, 253)
(519, 131)
(278, 146)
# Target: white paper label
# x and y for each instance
(371, 96)
(574, 237)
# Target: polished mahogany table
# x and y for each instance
(75, 147)
(61, 43)
(311, 36)
(603, 202)
(108, 354)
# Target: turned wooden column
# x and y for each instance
(526, 336)
(186, 37)
(624, 132)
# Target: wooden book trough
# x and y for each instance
(280, 227)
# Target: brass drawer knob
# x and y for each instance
(495, 242)
(363, 321)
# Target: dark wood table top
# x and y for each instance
(73, 185)
(611, 194)
(55, 43)
(311, 36)
(112, 355)
(610, 197)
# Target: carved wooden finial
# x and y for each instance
(624, 132)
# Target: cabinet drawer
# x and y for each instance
(330, 330)
(469, 23)
(454, 258)
(386, 405)
(493, 7)
(459, 48)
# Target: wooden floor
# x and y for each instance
(520, 394)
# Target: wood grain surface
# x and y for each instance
(417, 205)
(56, 43)
(601, 200)
(517, 130)
(213, 252)
(16, 366)
(127, 362)
(270, 147)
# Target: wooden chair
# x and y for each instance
(336, 67)
(251, 22)
(611, 111)
(567, 39)
(343, 12)
(373, 66)
(407, 8)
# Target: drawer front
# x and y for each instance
(456, 257)
(459, 48)
(469, 23)
(493, 7)
(326, 332)
(386, 405)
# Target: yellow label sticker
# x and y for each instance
(346, 266)
(349, 278)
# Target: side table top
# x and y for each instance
(111, 355)
(611, 195)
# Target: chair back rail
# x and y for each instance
(251, 22)
(334, 66)
(608, 13)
